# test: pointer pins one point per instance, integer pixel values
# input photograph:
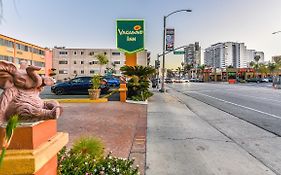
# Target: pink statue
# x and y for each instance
(21, 93)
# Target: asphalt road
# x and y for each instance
(256, 104)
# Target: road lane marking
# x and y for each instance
(265, 113)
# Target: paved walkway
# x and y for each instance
(121, 126)
(181, 143)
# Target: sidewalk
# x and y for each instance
(179, 142)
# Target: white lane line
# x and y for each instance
(265, 113)
(268, 99)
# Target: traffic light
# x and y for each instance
(157, 64)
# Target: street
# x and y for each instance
(249, 116)
(258, 105)
(187, 136)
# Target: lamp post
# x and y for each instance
(164, 45)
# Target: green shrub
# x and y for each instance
(138, 85)
(85, 158)
(112, 165)
(81, 158)
(90, 146)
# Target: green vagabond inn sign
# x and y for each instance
(130, 35)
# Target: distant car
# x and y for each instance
(254, 80)
(79, 85)
(185, 80)
(112, 81)
(194, 80)
(270, 79)
(264, 80)
(168, 80)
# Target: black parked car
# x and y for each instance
(255, 80)
(79, 85)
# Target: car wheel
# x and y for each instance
(59, 91)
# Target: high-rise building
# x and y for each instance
(72, 62)
(222, 55)
(14, 50)
(192, 54)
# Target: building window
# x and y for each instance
(82, 71)
(82, 53)
(92, 71)
(7, 43)
(92, 53)
(82, 62)
(39, 64)
(63, 62)
(74, 62)
(63, 72)
(95, 62)
(116, 62)
(75, 53)
(63, 53)
(75, 71)
(6, 58)
(115, 53)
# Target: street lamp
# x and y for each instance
(164, 45)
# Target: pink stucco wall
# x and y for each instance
(48, 62)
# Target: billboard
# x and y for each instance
(170, 39)
(130, 35)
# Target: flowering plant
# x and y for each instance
(85, 158)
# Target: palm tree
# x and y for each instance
(170, 73)
(277, 60)
(179, 70)
(257, 58)
(138, 85)
(186, 69)
(113, 68)
(272, 67)
(102, 60)
(255, 66)
(201, 69)
(263, 69)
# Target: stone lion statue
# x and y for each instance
(21, 93)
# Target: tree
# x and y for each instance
(257, 58)
(102, 60)
(186, 69)
(170, 73)
(201, 69)
(138, 85)
(263, 69)
(255, 66)
(113, 68)
(277, 60)
(179, 70)
(272, 67)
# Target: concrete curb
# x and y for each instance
(80, 100)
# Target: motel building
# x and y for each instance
(14, 50)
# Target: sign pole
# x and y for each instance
(131, 59)
(163, 62)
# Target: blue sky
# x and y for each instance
(91, 23)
